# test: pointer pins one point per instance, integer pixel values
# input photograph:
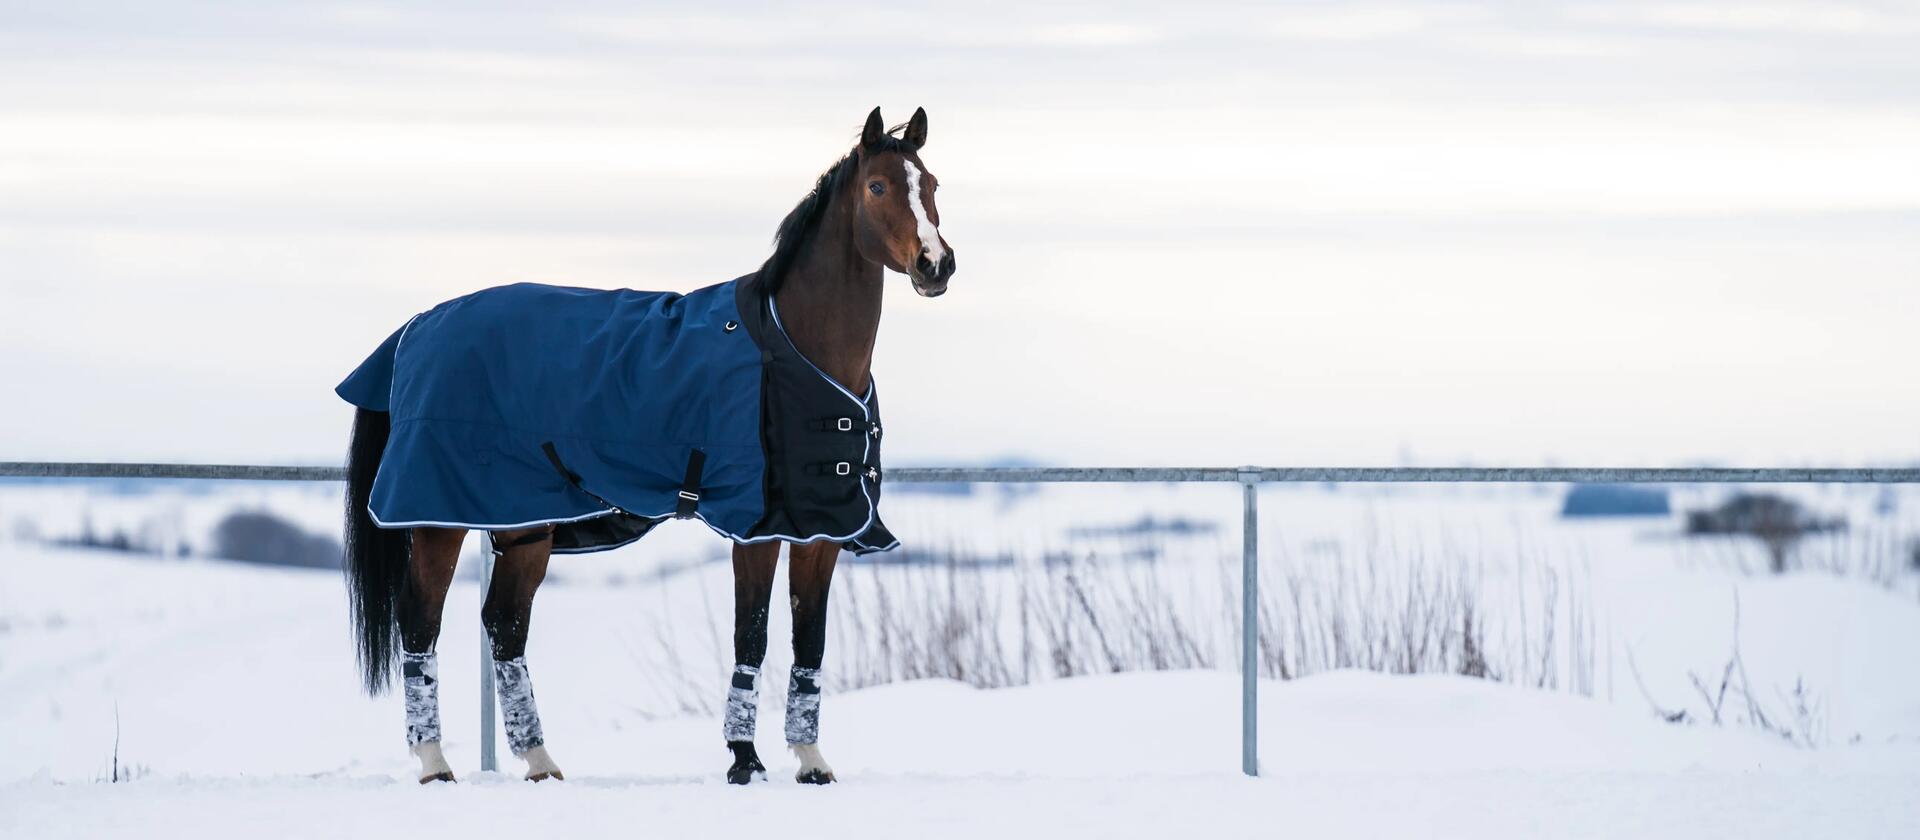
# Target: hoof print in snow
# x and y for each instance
(815, 776)
(442, 776)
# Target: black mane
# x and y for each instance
(798, 227)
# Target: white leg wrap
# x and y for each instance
(743, 703)
(516, 705)
(803, 707)
(420, 681)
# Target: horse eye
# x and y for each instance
(877, 188)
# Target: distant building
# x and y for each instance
(1615, 500)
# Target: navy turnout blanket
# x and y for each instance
(604, 413)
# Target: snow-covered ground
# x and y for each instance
(237, 713)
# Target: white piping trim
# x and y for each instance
(774, 310)
(888, 547)
(669, 515)
(432, 524)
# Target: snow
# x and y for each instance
(239, 713)
(1478, 805)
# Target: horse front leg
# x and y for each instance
(809, 575)
(753, 567)
(435, 553)
(520, 567)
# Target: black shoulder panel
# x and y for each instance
(822, 442)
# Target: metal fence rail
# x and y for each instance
(1037, 475)
(1248, 477)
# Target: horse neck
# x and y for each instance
(830, 303)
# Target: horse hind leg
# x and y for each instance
(422, 599)
(809, 575)
(517, 573)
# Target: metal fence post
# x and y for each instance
(1249, 621)
(488, 760)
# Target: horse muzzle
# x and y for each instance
(930, 278)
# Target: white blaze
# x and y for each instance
(929, 235)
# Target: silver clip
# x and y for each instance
(843, 468)
(846, 424)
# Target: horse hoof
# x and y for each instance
(814, 776)
(746, 764)
(540, 766)
(740, 775)
(442, 776)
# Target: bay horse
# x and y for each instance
(820, 292)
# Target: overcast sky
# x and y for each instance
(1318, 233)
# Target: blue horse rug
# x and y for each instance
(604, 413)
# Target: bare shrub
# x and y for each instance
(1777, 522)
(938, 620)
(1410, 612)
(1003, 621)
(1728, 699)
(1873, 553)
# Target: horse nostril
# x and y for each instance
(924, 266)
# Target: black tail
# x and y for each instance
(376, 557)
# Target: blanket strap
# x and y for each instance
(534, 538)
(573, 478)
(841, 424)
(690, 488)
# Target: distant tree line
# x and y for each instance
(261, 537)
(248, 536)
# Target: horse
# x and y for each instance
(762, 422)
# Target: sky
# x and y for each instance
(1277, 233)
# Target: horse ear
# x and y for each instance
(875, 130)
(917, 129)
